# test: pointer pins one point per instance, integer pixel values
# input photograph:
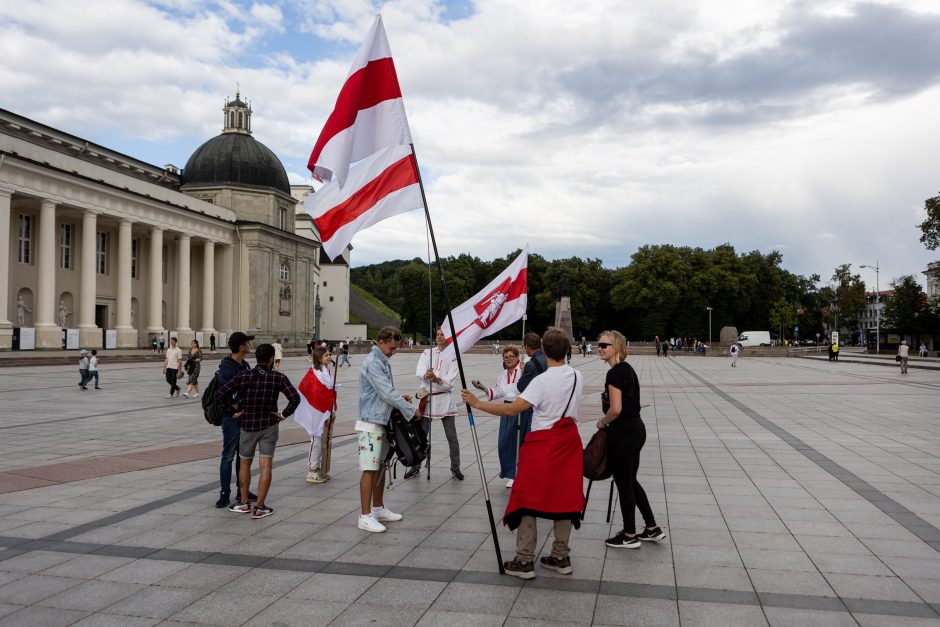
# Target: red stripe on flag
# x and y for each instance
(318, 395)
(397, 176)
(375, 83)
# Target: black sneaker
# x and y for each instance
(223, 500)
(652, 535)
(457, 475)
(413, 472)
(621, 541)
(522, 570)
(558, 564)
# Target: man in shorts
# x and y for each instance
(257, 391)
(377, 398)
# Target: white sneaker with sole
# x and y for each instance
(369, 523)
(313, 476)
(509, 483)
(386, 515)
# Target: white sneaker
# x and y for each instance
(314, 476)
(185, 394)
(509, 483)
(386, 515)
(369, 523)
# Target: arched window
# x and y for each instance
(285, 272)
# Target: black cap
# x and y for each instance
(238, 338)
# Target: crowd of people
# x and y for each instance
(540, 449)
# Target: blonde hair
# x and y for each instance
(511, 348)
(618, 342)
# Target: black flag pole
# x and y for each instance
(463, 378)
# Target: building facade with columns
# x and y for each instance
(97, 241)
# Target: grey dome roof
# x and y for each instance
(235, 158)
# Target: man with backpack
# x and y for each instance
(377, 398)
(239, 344)
(256, 392)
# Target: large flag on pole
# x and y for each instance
(495, 307)
(380, 186)
(316, 402)
(369, 113)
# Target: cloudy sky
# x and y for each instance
(590, 129)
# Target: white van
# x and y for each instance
(754, 338)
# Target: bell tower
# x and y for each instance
(237, 115)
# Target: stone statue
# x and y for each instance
(133, 316)
(21, 309)
(563, 287)
(64, 314)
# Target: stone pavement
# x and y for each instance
(793, 492)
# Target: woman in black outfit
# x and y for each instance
(621, 401)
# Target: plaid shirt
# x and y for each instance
(257, 391)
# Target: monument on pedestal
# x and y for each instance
(563, 309)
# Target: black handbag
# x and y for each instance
(596, 467)
(897, 358)
(407, 440)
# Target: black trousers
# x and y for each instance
(171, 374)
(625, 441)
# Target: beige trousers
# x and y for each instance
(527, 538)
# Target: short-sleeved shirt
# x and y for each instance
(173, 358)
(623, 377)
(549, 393)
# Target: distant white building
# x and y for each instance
(933, 279)
(333, 286)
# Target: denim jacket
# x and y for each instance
(377, 395)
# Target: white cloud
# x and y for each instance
(804, 126)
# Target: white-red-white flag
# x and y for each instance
(380, 186)
(495, 307)
(369, 113)
(317, 399)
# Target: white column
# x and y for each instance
(6, 196)
(183, 292)
(228, 267)
(48, 335)
(155, 319)
(208, 289)
(126, 334)
(89, 335)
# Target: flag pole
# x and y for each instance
(463, 378)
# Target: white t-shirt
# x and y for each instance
(548, 393)
(93, 363)
(173, 358)
(278, 350)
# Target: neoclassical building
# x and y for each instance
(111, 251)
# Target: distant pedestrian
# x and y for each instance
(344, 354)
(153, 344)
(172, 360)
(734, 351)
(665, 348)
(625, 439)
(922, 351)
(278, 353)
(904, 352)
(659, 347)
(835, 351)
(162, 344)
(93, 369)
(212, 342)
(257, 391)
(83, 360)
(192, 367)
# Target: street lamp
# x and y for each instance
(709, 326)
(877, 308)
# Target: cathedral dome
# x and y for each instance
(235, 157)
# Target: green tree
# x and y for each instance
(849, 292)
(931, 226)
(906, 310)
(782, 317)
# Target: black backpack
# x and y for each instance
(407, 441)
(210, 408)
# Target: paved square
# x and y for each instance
(793, 491)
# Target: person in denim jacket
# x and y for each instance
(377, 398)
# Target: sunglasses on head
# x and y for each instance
(604, 345)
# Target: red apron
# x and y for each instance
(549, 483)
